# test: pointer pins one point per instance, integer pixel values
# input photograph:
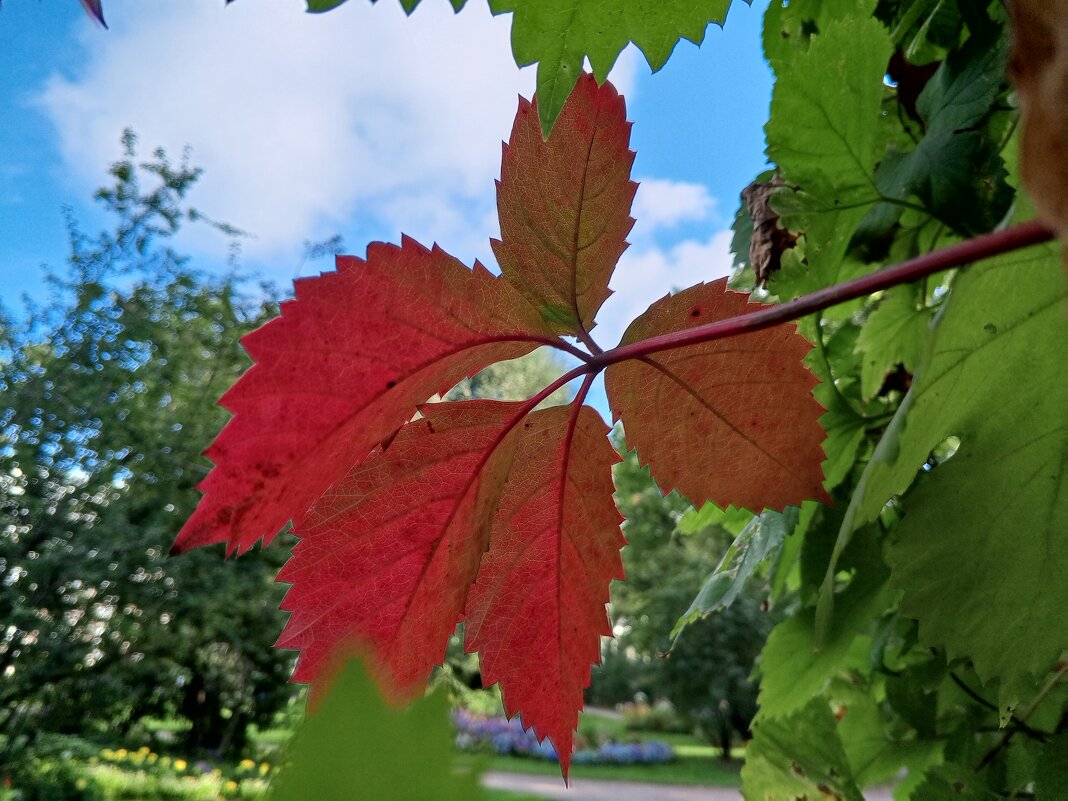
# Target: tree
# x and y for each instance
(707, 672)
(108, 401)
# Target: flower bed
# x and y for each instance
(136, 772)
(71, 769)
(508, 737)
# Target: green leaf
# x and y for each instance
(354, 745)
(824, 132)
(953, 782)
(318, 6)
(759, 539)
(789, 25)
(1051, 773)
(819, 259)
(696, 520)
(895, 333)
(942, 24)
(825, 109)
(794, 670)
(799, 757)
(981, 547)
(962, 90)
(844, 426)
(874, 755)
(955, 171)
(559, 34)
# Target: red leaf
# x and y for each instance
(564, 204)
(386, 556)
(733, 420)
(536, 614)
(341, 370)
(483, 510)
(95, 9)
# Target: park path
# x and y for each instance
(550, 787)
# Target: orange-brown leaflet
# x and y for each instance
(732, 420)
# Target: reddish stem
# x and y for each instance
(959, 255)
(567, 347)
(980, 247)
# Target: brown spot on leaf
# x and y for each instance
(769, 241)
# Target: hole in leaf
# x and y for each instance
(942, 452)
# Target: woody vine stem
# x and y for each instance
(960, 255)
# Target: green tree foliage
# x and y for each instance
(517, 379)
(108, 401)
(706, 673)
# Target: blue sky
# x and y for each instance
(359, 122)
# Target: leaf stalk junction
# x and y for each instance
(958, 255)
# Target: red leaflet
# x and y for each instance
(492, 512)
(733, 420)
(341, 369)
(537, 612)
(564, 204)
(387, 554)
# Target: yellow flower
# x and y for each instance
(121, 753)
(144, 749)
(264, 767)
(247, 763)
(231, 785)
(165, 761)
(179, 764)
(107, 753)
(152, 757)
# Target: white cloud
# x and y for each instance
(646, 275)
(660, 203)
(307, 125)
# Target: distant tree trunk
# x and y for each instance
(725, 737)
